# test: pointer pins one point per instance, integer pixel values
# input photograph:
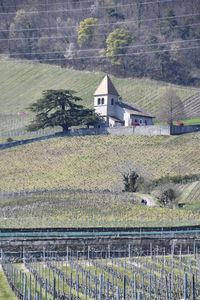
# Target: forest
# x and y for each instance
(158, 39)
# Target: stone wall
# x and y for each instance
(18, 246)
(184, 129)
(152, 130)
(120, 130)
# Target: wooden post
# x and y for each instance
(100, 287)
(67, 255)
(46, 287)
(1, 255)
(70, 286)
(185, 286)
(124, 287)
(54, 288)
(77, 287)
(129, 251)
(108, 251)
(24, 286)
(30, 287)
(193, 288)
(86, 287)
(44, 255)
(118, 293)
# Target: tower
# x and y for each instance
(105, 98)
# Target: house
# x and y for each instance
(116, 112)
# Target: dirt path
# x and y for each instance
(150, 201)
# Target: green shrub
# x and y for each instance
(115, 43)
(9, 140)
(167, 197)
(86, 31)
(131, 182)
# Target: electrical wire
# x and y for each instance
(89, 8)
(102, 49)
(115, 55)
(85, 1)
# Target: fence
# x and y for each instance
(113, 274)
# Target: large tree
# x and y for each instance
(116, 44)
(60, 108)
(23, 33)
(171, 107)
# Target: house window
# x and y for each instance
(112, 101)
(99, 101)
(102, 100)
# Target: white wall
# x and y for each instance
(119, 112)
(149, 121)
(112, 108)
(101, 109)
(127, 119)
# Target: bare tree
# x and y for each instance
(171, 107)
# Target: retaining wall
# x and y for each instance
(120, 130)
(150, 130)
(184, 129)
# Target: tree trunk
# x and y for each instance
(65, 129)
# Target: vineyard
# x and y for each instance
(96, 162)
(85, 209)
(23, 82)
(191, 196)
(117, 274)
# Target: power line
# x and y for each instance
(100, 49)
(116, 55)
(105, 24)
(74, 26)
(89, 8)
(85, 1)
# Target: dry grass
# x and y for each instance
(96, 162)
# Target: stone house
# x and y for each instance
(115, 111)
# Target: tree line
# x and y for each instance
(155, 40)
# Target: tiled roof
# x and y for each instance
(133, 110)
(106, 87)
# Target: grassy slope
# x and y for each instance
(191, 196)
(96, 162)
(5, 291)
(87, 210)
(23, 82)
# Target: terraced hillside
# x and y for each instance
(23, 82)
(71, 208)
(96, 162)
(190, 196)
(192, 105)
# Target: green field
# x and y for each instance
(192, 121)
(190, 196)
(87, 163)
(5, 291)
(86, 209)
(96, 162)
(23, 82)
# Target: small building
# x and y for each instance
(116, 112)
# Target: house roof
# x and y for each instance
(133, 110)
(106, 87)
(116, 119)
